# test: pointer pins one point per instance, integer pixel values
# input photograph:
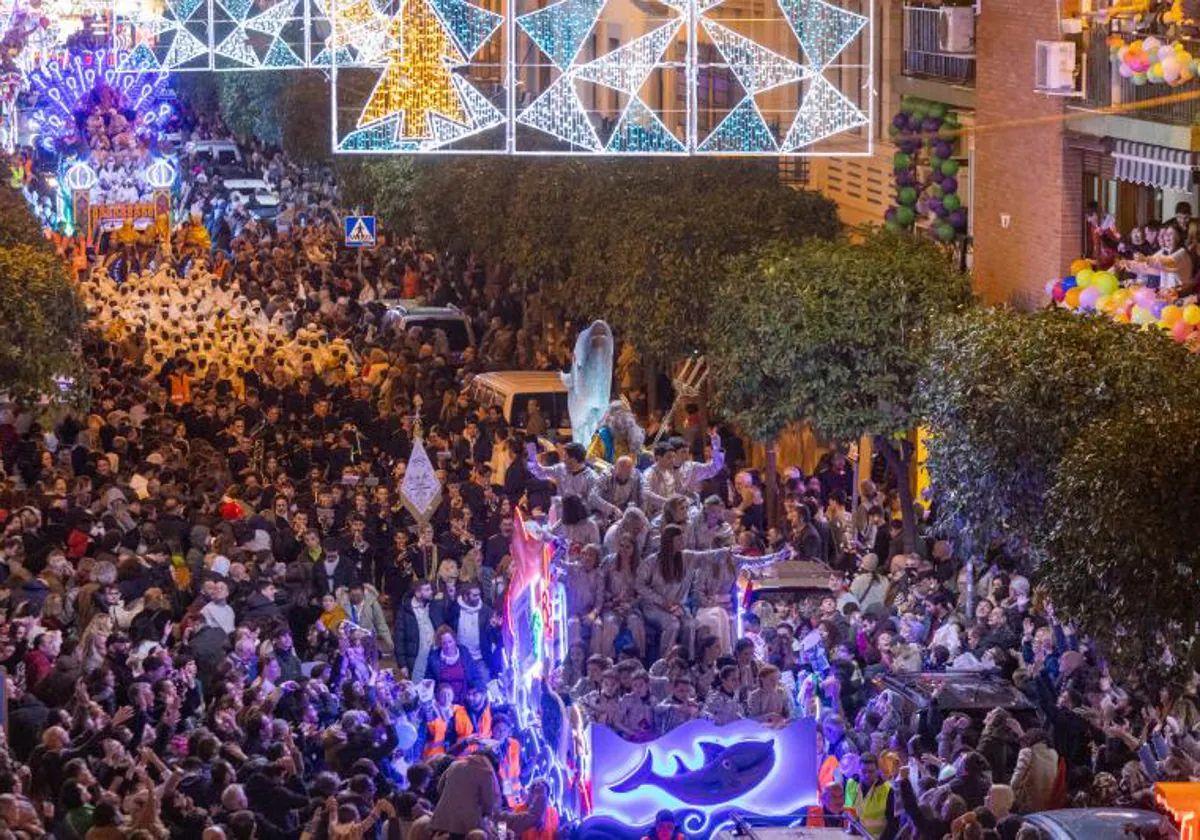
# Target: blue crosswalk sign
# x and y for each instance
(360, 231)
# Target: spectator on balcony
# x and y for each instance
(1173, 261)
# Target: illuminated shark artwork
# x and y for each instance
(727, 773)
(589, 383)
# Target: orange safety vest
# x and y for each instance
(463, 728)
(510, 772)
(828, 772)
(814, 817)
(181, 388)
(549, 829)
(435, 744)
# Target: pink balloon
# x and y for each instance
(1088, 297)
(1181, 330)
(1144, 297)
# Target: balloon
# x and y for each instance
(937, 109)
(1084, 278)
(892, 225)
(1156, 308)
(1191, 314)
(1079, 265)
(406, 735)
(1049, 287)
(901, 161)
(1125, 71)
(1171, 315)
(1180, 331)
(1088, 297)
(1106, 282)
(1144, 297)
(1141, 315)
(900, 122)
(935, 163)
(1069, 283)
(932, 205)
(949, 184)
(942, 149)
(1139, 79)
(905, 216)
(890, 215)
(1072, 298)
(945, 231)
(1059, 293)
(907, 196)
(950, 167)
(931, 124)
(958, 218)
(952, 202)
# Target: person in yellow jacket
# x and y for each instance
(872, 798)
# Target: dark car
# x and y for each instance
(1103, 824)
(928, 697)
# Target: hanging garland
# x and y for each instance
(926, 174)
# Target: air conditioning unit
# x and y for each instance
(1055, 72)
(956, 29)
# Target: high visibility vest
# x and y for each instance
(435, 740)
(510, 773)
(549, 829)
(814, 817)
(873, 808)
(463, 728)
(827, 775)
(181, 388)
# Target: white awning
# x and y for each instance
(1153, 166)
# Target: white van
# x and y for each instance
(512, 391)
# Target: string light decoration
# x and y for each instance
(742, 130)
(63, 85)
(416, 82)
(429, 96)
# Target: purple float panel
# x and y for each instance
(705, 773)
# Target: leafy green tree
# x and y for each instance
(249, 103)
(1006, 394)
(1121, 541)
(17, 225)
(837, 333)
(41, 319)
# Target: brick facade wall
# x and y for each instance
(1021, 168)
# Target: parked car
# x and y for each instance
(928, 697)
(259, 197)
(398, 315)
(1103, 824)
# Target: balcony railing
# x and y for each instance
(1105, 87)
(923, 55)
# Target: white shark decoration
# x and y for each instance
(589, 384)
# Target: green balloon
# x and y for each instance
(938, 109)
(892, 225)
(945, 231)
(950, 168)
(935, 163)
(952, 202)
(907, 196)
(948, 131)
(905, 216)
(901, 161)
(935, 191)
(893, 131)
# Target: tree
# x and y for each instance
(1121, 541)
(41, 319)
(835, 332)
(1006, 394)
(17, 224)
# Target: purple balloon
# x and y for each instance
(1157, 307)
(900, 121)
(910, 146)
(949, 184)
(942, 149)
(906, 178)
(941, 210)
(890, 214)
(931, 124)
(958, 219)
(935, 206)
(936, 177)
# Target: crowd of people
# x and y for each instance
(220, 619)
(1160, 255)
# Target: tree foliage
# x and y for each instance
(638, 243)
(41, 319)
(1007, 394)
(1121, 540)
(835, 332)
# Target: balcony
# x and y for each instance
(925, 42)
(1155, 103)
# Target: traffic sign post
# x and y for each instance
(360, 231)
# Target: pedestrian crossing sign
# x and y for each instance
(360, 231)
